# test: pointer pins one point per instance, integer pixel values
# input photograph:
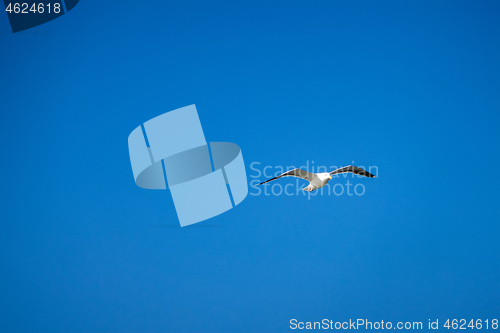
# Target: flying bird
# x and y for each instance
(318, 180)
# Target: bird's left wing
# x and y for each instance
(355, 170)
(299, 173)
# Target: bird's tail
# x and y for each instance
(309, 188)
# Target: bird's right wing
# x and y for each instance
(299, 173)
(354, 169)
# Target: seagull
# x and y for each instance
(318, 180)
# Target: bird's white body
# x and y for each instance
(318, 181)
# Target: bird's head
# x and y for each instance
(326, 175)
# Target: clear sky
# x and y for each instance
(412, 87)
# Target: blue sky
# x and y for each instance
(412, 87)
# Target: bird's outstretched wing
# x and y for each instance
(355, 170)
(299, 173)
